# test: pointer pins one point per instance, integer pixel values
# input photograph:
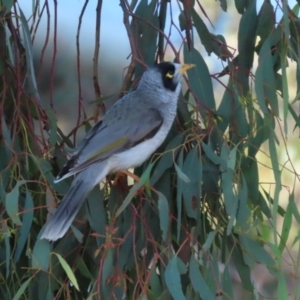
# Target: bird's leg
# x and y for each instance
(121, 173)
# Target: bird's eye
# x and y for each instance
(170, 75)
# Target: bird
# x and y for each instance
(126, 136)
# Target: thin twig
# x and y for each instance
(80, 105)
(126, 13)
(46, 39)
(96, 63)
(54, 55)
(127, 79)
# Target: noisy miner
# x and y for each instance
(130, 131)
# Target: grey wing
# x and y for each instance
(106, 139)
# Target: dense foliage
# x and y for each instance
(196, 214)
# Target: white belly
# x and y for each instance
(138, 154)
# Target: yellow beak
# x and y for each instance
(185, 68)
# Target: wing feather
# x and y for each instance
(107, 138)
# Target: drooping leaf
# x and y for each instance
(200, 81)
(52, 125)
(68, 270)
(26, 225)
(12, 203)
(192, 167)
(256, 252)
(22, 289)
(223, 4)
(180, 174)
(29, 57)
(209, 241)
(96, 214)
(163, 209)
(266, 20)
(202, 31)
(155, 284)
(241, 5)
(167, 159)
(41, 255)
(287, 223)
(134, 189)
(6, 235)
(198, 281)
(179, 195)
(246, 43)
(172, 277)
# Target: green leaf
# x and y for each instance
(84, 270)
(192, 167)
(41, 255)
(287, 223)
(172, 277)
(198, 281)
(7, 4)
(241, 5)
(96, 214)
(244, 212)
(26, 225)
(182, 21)
(202, 31)
(68, 270)
(294, 48)
(256, 251)
(134, 189)
(294, 207)
(52, 125)
(242, 268)
(107, 270)
(295, 116)
(167, 159)
(209, 240)
(155, 285)
(277, 176)
(246, 43)
(200, 81)
(146, 32)
(22, 289)
(224, 110)
(265, 83)
(29, 56)
(265, 20)
(12, 203)
(232, 158)
(6, 235)
(223, 4)
(220, 47)
(179, 195)
(227, 284)
(163, 209)
(181, 175)
(211, 153)
(282, 290)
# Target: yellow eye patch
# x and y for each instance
(169, 75)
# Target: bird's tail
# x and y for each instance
(62, 219)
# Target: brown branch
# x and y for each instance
(133, 15)
(96, 63)
(46, 40)
(80, 105)
(127, 12)
(54, 55)
(127, 79)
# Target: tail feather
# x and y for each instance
(63, 217)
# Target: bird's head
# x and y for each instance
(165, 76)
